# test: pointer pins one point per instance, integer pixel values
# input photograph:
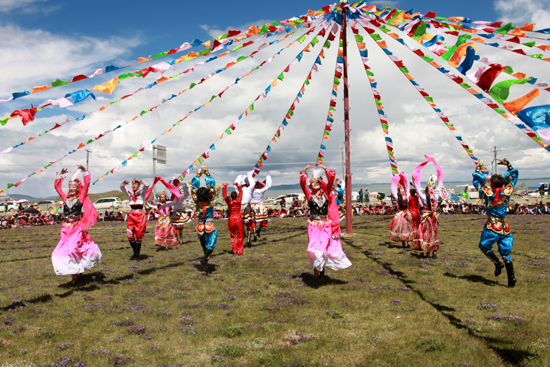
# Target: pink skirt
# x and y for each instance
(429, 234)
(76, 252)
(323, 250)
(402, 227)
(165, 234)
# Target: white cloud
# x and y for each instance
(10, 5)
(524, 11)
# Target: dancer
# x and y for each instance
(324, 248)
(402, 226)
(183, 210)
(246, 208)
(165, 233)
(137, 219)
(257, 203)
(496, 194)
(414, 209)
(235, 222)
(204, 206)
(76, 251)
(429, 232)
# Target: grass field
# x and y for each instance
(391, 308)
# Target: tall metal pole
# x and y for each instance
(343, 163)
(349, 212)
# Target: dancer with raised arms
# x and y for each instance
(76, 252)
(324, 247)
(137, 219)
(402, 226)
(165, 233)
(429, 225)
(496, 194)
(247, 215)
(183, 209)
(257, 203)
(204, 197)
(235, 222)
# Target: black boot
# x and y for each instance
(208, 255)
(495, 260)
(133, 244)
(258, 231)
(434, 255)
(203, 245)
(511, 275)
(138, 250)
(255, 238)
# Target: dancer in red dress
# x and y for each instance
(402, 225)
(137, 219)
(414, 208)
(235, 222)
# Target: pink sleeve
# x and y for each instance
(86, 187)
(58, 187)
(331, 177)
(303, 184)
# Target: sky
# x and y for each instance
(42, 40)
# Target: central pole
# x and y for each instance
(154, 169)
(349, 211)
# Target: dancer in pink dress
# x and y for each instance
(76, 251)
(429, 225)
(165, 234)
(324, 248)
(402, 226)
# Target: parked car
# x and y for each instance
(108, 203)
(12, 207)
(46, 205)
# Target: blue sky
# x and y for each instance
(162, 25)
(42, 40)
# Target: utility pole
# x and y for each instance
(349, 212)
(495, 150)
(88, 152)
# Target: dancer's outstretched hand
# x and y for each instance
(63, 171)
(125, 182)
(81, 167)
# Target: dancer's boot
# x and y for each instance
(496, 261)
(511, 275)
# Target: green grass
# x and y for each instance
(391, 308)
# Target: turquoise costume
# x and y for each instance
(497, 229)
(204, 207)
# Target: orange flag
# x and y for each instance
(528, 27)
(143, 59)
(459, 53)
(40, 88)
(252, 31)
(520, 103)
(108, 87)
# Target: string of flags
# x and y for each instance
(69, 99)
(429, 99)
(216, 44)
(123, 164)
(334, 94)
(232, 127)
(160, 80)
(384, 121)
(502, 89)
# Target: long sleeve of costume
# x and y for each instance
(144, 190)
(303, 184)
(85, 188)
(416, 179)
(331, 177)
(479, 181)
(267, 185)
(58, 185)
(240, 198)
(224, 194)
(124, 189)
(251, 179)
(512, 176)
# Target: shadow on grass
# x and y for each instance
(473, 279)
(309, 280)
(210, 268)
(514, 356)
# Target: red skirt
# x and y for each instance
(165, 234)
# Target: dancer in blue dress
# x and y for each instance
(204, 206)
(496, 193)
